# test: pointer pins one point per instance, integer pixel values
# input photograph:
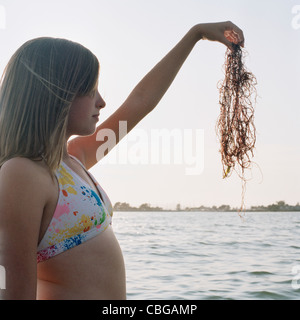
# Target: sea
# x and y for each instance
(210, 255)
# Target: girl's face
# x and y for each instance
(84, 114)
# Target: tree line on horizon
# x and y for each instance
(279, 206)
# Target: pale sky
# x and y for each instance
(129, 37)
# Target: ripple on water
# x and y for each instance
(216, 257)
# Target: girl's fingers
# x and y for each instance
(234, 34)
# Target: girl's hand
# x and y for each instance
(224, 32)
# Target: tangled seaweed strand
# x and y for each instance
(235, 127)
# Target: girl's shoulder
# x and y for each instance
(21, 164)
(23, 172)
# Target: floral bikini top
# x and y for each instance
(80, 214)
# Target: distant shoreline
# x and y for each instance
(279, 206)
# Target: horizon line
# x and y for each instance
(278, 206)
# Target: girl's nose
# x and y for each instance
(100, 103)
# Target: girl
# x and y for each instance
(56, 239)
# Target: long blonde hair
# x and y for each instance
(38, 86)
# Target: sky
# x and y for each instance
(129, 37)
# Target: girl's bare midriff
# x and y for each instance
(92, 270)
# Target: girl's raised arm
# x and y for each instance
(149, 91)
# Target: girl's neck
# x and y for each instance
(65, 156)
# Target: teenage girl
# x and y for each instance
(56, 239)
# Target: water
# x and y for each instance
(205, 255)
